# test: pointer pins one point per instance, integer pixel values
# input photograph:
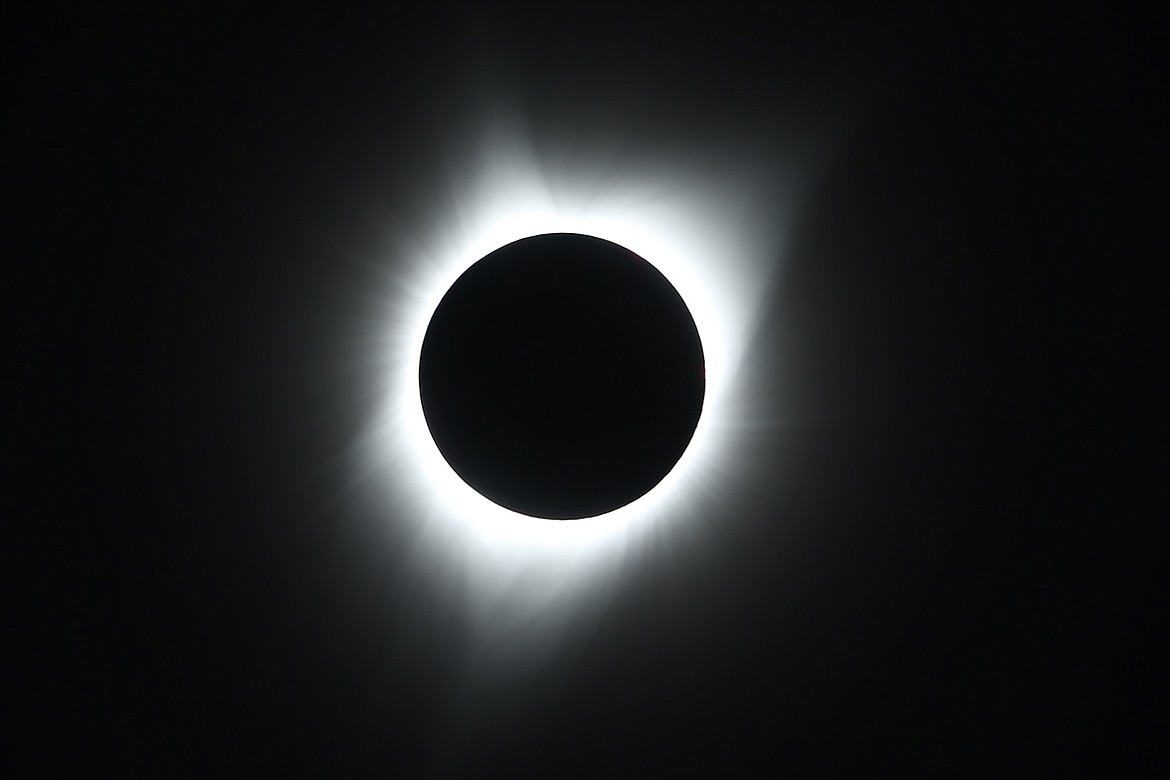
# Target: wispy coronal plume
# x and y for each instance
(707, 223)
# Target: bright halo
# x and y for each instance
(706, 224)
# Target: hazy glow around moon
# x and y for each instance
(704, 221)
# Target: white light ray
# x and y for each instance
(707, 226)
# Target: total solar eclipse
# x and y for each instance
(562, 376)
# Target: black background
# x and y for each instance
(956, 579)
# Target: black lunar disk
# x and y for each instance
(562, 376)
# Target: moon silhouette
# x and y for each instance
(562, 376)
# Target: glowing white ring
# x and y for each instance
(705, 225)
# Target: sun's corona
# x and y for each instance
(702, 230)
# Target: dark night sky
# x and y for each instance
(943, 570)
